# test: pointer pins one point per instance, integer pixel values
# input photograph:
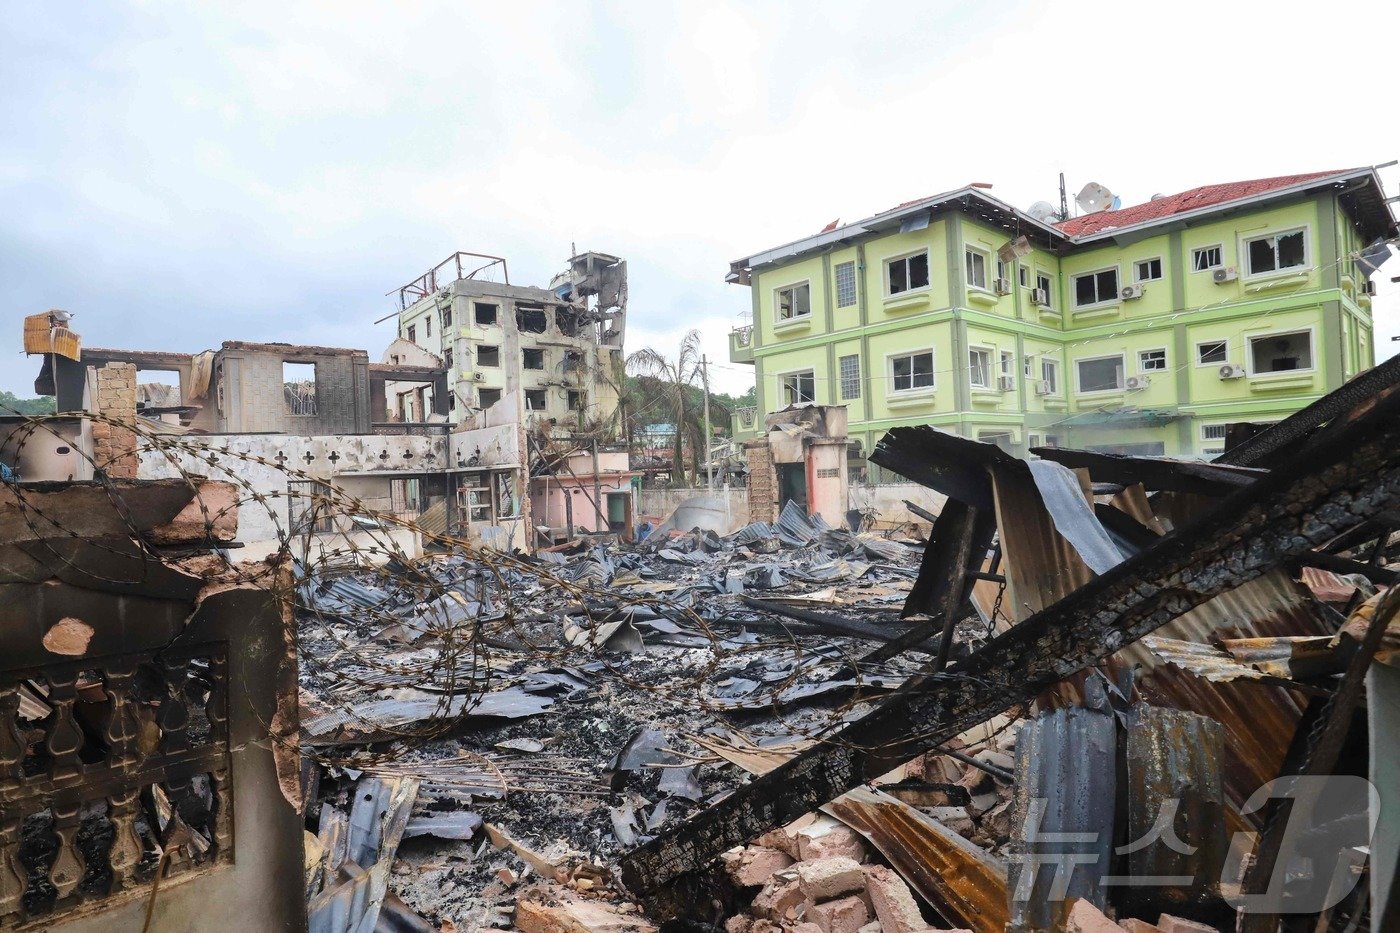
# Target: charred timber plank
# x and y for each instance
(1338, 564)
(1305, 502)
(1206, 479)
(956, 547)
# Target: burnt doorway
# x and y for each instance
(792, 485)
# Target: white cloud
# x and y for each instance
(268, 171)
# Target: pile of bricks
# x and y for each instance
(813, 877)
(114, 445)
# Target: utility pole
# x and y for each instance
(709, 467)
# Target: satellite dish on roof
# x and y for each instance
(1093, 198)
(1042, 211)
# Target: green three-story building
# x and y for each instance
(1140, 330)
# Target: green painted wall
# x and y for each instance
(1177, 311)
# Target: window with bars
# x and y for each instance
(1213, 438)
(850, 377)
(845, 284)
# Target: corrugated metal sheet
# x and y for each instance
(1205, 661)
(1174, 760)
(1066, 782)
(41, 336)
(1041, 567)
(964, 884)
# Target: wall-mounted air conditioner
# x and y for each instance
(1006, 383)
(1224, 274)
(1042, 387)
(1002, 286)
(1134, 383)
(1040, 297)
(1129, 292)
(1232, 371)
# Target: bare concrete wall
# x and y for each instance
(887, 502)
(254, 399)
(658, 503)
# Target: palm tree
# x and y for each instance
(676, 380)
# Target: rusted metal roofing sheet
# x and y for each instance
(964, 884)
(1205, 661)
(1176, 813)
(1066, 783)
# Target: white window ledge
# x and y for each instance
(1274, 280)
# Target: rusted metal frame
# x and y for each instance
(1291, 511)
(1321, 760)
(1336, 564)
(956, 547)
(1296, 427)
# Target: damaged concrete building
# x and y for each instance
(554, 354)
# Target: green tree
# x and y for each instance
(11, 404)
(676, 386)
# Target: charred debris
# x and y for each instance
(1055, 710)
(1051, 705)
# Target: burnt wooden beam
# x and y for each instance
(1337, 564)
(957, 546)
(1316, 495)
(1154, 473)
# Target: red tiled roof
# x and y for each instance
(1205, 196)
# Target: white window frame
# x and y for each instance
(970, 253)
(1123, 369)
(1249, 273)
(1165, 360)
(912, 390)
(1202, 249)
(1161, 268)
(1023, 275)
(1057, 388)
(1249, 351)
(1201, 434)
(1196, 359)
(904, 258)
(1028, 365)
(1102, 302)
(1007, 363)
(778, 319)
(836, 284)
(782, 386)
(990, 368)
(841, 377)
(1049, 290)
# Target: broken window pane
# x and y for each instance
(1101, 375)
(914, 371)
(1207, 257)
(1290, 250)
(1277, 353)
(794, 302)
(534, 358)
(485, 313)
(488, 397)
(906, 273)
(535, 399)
(1261, 256)
(531, 320)
(1084, 290)
(488, 356)
(800, 388)
(918, 270)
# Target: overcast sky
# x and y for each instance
(177, 175)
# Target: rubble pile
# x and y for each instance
(1054, 714)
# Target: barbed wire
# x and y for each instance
(473, 619)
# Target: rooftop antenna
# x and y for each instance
(1064, 207)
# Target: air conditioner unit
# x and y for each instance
(1137, 382)
(1224, 274)
(1368, 288)
(479, 377)
(1040, 297)
(1042, 387)
(1002, 286)
(1006, 383)
(1129, 292)
(1231, 371)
